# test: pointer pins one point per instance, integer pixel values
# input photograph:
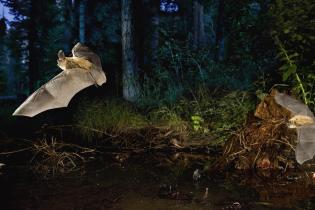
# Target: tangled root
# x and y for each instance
(53, 158)
(266, 142)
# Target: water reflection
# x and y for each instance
(145, 182)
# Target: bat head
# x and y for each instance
(61, 62)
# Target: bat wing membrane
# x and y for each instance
(56, 93)
(82, 51)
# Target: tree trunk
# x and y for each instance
(154, 43)
(130, 67)
(220, 39)
(11, 82)
(69, 23)
(82, 8)
(32, 50)
(199, 38)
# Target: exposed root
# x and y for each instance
(53, 158)
(266, 142)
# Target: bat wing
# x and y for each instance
(305, 149)
(293, 105)
(56, 93)
(82, 51)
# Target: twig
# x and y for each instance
(290, 145)
(16, 151)
(256, 157)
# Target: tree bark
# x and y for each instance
(11, 80)
(69, 23)
(130, 67)
(154, 42)
(220, 39)
(199, 38)
(32, 50)
(82, 8)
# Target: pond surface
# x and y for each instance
(145, 183)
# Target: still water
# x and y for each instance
(151, 182)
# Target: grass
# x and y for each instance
(202, 114)
(108, 116)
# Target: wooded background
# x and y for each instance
(156, 51)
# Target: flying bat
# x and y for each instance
(304, 121)
(81, 70)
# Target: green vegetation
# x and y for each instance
(107, 116)
(242, 46)
(206, 114)
(294, 35)
(181, 69)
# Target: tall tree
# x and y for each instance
(154, 23)
(199, 37)
(67, 8)
(220, 39)
(82, 8)
(33, 66)
(131, 89)
(30, 35)
(3, 55)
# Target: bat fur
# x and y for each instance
(73, 62)
(81, 70)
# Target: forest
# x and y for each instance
(194, 88)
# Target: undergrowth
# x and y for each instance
(207, 114)
(203, 114)
(109, 116)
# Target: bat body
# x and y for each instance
(304, 122)
(81, 70)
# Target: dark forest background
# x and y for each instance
(156, 52)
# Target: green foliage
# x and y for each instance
(197, 122)
(289, 69)
(207, 114)
(181, 69)
(293, 32)
(230, 114)
(293, 23)
(169, 117)
(107, 116)
(104, 26)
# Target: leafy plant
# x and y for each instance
(197, 124)
(289, 68)
(293, 33)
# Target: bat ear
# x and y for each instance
(61, 55)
